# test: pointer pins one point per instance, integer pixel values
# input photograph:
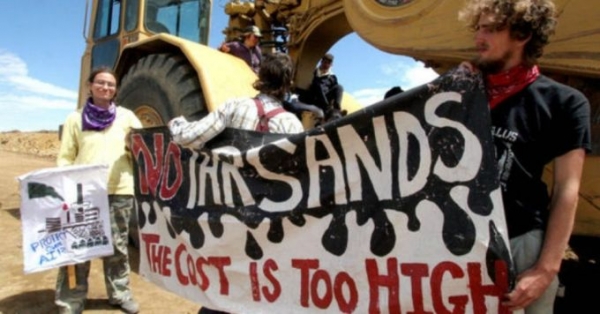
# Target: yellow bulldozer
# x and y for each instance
(159, 51)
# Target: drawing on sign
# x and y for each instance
(80, 219)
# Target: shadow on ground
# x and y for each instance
(42, 301)
(15, 212)
(580, 278)
(31, 302)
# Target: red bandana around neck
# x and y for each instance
(503, 85)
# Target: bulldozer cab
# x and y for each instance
(113, 24)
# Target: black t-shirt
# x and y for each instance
(320, 88)
(531, 128)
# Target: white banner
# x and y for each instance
(65, 216)
(393, 209)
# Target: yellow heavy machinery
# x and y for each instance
(159, 51)
(429, 31)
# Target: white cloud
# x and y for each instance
(11, 65)
(409, 73)
(27, 103)
(28, 84)
(369, 96)
(24, 103)
(405, 73)
(19, 91)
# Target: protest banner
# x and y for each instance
(395, 208)
(64, 214)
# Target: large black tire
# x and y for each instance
(160, 87)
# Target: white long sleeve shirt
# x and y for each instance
(238, 113)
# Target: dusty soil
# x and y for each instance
(21, 152)
(41, 144)
(34, 293)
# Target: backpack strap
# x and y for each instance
(263, 118)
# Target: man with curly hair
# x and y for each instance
(535, 120)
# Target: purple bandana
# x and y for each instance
(95, 118)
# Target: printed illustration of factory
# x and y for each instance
(80, 219)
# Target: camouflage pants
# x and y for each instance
(116, 266)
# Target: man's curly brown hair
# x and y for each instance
(524, 18)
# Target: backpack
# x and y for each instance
(263, 118)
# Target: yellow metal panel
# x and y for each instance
(587, 220)
(430, 30)
(221, 75)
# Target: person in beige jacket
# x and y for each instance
(96, 134)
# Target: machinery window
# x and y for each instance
(107, 18)
(188, 19)
(131, 14)
(153, 22)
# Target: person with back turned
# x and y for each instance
(264, 113)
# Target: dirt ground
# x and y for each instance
(21, 152)
(34, 293)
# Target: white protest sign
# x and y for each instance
(65, 216)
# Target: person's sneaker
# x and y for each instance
(128, 306)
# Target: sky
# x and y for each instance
(42, 42)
